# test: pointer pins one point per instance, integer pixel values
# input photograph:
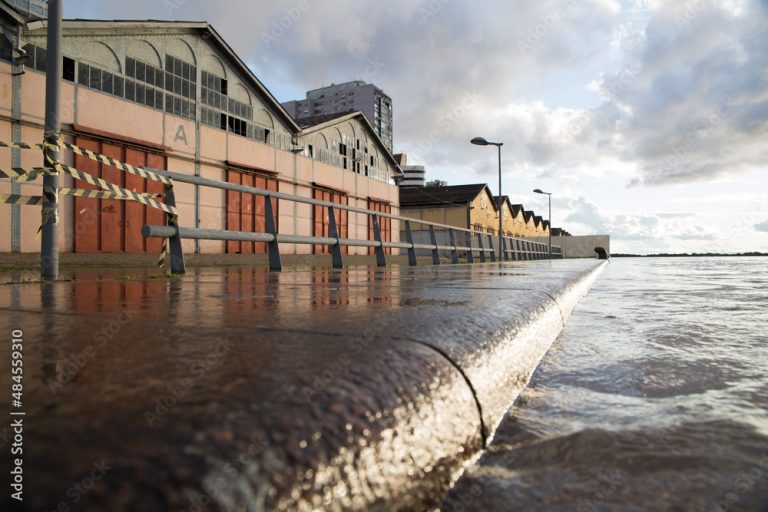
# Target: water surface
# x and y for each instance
(654, 397)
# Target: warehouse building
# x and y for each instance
(173, 95)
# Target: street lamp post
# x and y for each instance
(549, 198)
(479, 141)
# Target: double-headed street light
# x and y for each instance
(549, 197)
(479, 141)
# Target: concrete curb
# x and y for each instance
(354, 390)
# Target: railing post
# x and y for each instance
(480, 246)
(504, 254)
(381, 258)
(490, 244)
(433, 241)
(273, 248)
(333, 232)
(468, 239)
(455, 251)
(515, 253)
(174, 243)
(409, 239)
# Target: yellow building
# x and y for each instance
(518, 220)
(463, 206)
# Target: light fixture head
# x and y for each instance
(479, 141)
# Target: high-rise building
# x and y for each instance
(348, 97)
(30, 8)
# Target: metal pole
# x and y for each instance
(550, 225)
(49, 245)
(501, 211)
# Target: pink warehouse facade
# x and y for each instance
(173, 95)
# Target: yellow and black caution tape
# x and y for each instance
(20, 199)
(173, 220)
(21, 145)
(140, 171)
(21, 174)
(102, 194)
(110, 187)
(110, 190)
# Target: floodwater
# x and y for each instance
(654, 397)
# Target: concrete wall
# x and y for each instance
(578, 246)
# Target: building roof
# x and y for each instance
(528, 215)
(311, 121)
(557, 231)
(207, 32)
(504, 199)
(537, 220)
(516, 209)
(12, 13)
(324, 121)
(454, 195)
(545, 223)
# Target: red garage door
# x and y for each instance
(385, 223)
(110, 225)
(245, 212)
(322, 224)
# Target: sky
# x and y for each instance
(646, 119)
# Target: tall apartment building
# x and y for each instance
(348, 97)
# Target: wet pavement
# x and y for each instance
(235, 388)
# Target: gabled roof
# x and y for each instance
(207, 32)
(454, 195)
(557, 231)
(325, 121)
(504, 199)
(537, 220)
(528, 214)
(545, 224)
(11, 13)
(516, 208)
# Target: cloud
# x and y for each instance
(762, 226)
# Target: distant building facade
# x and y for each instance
(348, 97)
(413, 176)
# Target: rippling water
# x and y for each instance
(655, 397)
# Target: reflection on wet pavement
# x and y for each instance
(357, 389)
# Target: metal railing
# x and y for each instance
(513, 248)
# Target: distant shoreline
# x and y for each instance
(689, 255)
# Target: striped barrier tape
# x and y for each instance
(110, 187)
(22, 175)
(20, 199)
(140, 171)
(21, 145)
(110, 190)
(102, 194)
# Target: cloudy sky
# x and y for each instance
(648, 119)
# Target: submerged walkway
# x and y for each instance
(231, 387)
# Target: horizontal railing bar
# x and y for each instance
(156, 231)
(223, 185)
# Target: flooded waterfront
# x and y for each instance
(654, 397)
